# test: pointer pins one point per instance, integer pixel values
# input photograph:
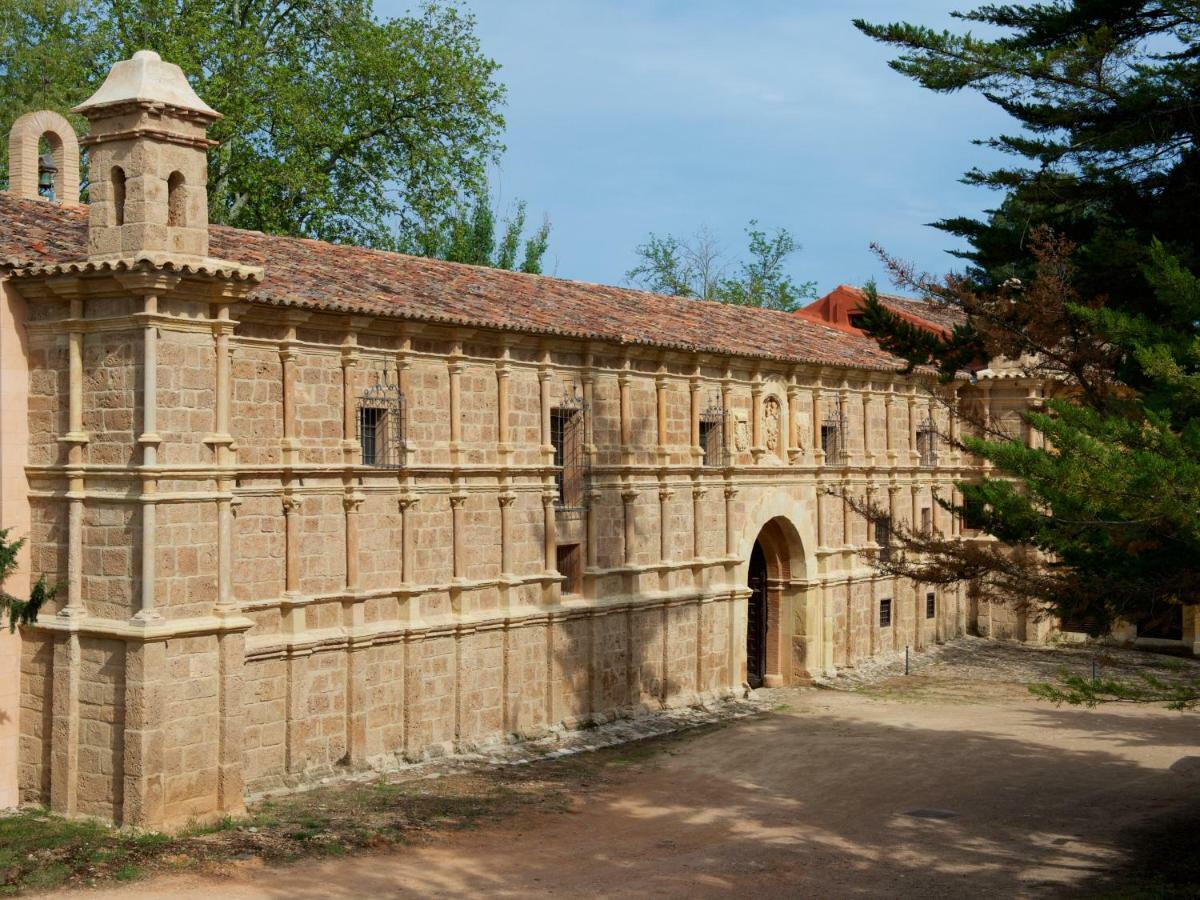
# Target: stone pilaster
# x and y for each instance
(143, 795)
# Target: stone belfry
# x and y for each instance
(148, 151)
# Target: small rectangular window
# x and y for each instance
(712, 436)
(930, 605)
(885, 612)
(570, 566)
(927, 444)
(567, 435)
(926, 520)
(883, 537)
(380, 425)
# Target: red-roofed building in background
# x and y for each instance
(842, 307)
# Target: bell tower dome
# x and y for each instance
(148, 162)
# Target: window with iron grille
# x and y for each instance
(380, 425)
(712, 436)
(833, 439)
(885, 612)
(927, 444)
(570, 566)
(568, 434)
(883, 537)
(930, 605)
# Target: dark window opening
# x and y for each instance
(927, 444)
(570, 566)
(712, 436)
(856, 320)
(885, 612)
(833, 431)
(930, 605)
(567, 435)
(972, 513)
(1166, 625)
(118, 195)
(883, 537)
(926, 520)
(380, 425)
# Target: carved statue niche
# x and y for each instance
(772, 417)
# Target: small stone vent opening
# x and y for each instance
(568, 435)
(713, 443)
(381, 426)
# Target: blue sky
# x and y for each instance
(631, 116)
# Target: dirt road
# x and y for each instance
(932, 786)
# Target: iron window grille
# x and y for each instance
(885, 612)
(927, 444)
(883, 538)
(380, 426)
(568, 434)
(713, 443)
(833, 438)
(930, 605)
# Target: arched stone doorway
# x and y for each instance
(771, 607)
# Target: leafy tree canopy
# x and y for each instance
(1084, 275)
(338, 125)
(473, 234)
(696, 267)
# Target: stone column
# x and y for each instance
(793, 414)
(403, 370)
(506, 500)
(64, 724)
(350, 447)
(503, 373)
(955, 399)
(913, 456)
(889, 417)
(76, 440)
(757, 448)
(222, 442)
(664, 532)
(843, 420)
(818, 415)
(292, 508)
(730, 424)
(287, 359)
(698, 492)
(149, 440)
(143, 791)
(694, 416)
(549, 498)
(545, 380)
(730, 533)
(350, 504)
(231, 712)
(628, 498)
(660, 404)
(458, 503)
(866, 396)
(454, 367)
(624, 380)
(407, 503)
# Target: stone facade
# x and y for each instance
(259, 594)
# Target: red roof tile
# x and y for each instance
(836, 306)
(316, 275)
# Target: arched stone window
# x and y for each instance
(118, 195)
(176, 200)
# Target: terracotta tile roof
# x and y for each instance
(316, 275)
(839, 305)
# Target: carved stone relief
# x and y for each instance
(770, 425)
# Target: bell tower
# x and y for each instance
(148, 153)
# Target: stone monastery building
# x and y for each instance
(317, 508)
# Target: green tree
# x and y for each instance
(338, 125)
(19, 611)
(474, 234)
(695, 267)
(1084, 273)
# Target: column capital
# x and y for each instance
(506, 499)
(406, 501)
(457, 501)
(292, 504)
